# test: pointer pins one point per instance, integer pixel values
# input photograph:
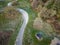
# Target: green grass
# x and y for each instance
(29, 35)
(15, 33)
(16, 28)
(3, 4)
(4, 27)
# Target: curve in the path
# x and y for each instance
(25, 21)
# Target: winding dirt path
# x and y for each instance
(22, 29)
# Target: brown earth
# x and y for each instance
(4, 37)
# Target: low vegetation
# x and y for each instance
(44, 18)
(10, 22)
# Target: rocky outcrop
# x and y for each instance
(55, 41)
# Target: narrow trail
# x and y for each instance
(22, 29)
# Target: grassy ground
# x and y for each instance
(7, 27)
(14, 29)
(29, 35)
(3, 4)
(14, 35)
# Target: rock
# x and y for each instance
(39, 36)
(55, 41)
